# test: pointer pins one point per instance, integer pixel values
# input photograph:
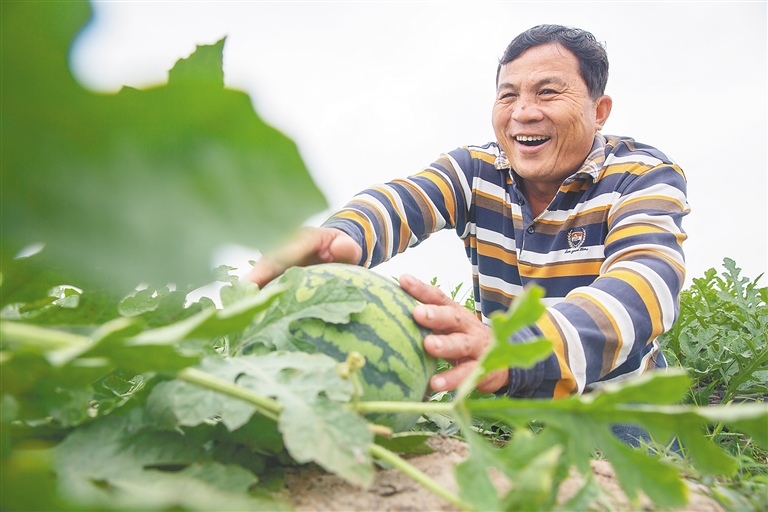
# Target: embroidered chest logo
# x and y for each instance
(576, 239)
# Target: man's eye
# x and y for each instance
(546, 92)
(508, 96)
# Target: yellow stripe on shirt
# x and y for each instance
(647, 295)
(566, 386)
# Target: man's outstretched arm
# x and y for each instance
(310, 246)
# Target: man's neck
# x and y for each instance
(538, 195)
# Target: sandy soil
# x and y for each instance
(311, 489)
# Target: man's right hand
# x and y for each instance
(309, 247)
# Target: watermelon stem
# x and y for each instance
(417, 475)
(264, 405)
(413, 407)
(469, 383)
(357, 389)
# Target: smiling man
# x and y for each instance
(594, 219)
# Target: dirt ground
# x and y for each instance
(313, 490)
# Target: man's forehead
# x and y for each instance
(548, 63)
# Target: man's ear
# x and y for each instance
(603, 110)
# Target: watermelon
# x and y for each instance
(397, 368)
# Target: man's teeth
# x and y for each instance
(530, 138)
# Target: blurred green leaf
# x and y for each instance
(412, 443)
(203, 67)
(28, 482)
(532, 465)
(237, 291)
(584, 423)
(123, 463)
(524, 310)
(518, 355)
(139, 185)
(211, 322)
(176, 404)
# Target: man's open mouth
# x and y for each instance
(531, 140)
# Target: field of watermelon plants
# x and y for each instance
(126, 397)
(145, 403)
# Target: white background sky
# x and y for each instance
(371, 91)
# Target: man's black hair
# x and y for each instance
(593, 59)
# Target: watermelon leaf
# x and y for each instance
(524, 310)
(584, 423)
(475, 484)
(175, 404)
(122, 462)
(332, 301)
(139, 186)
(330, 435)
(204, 66)
(314, 426)
(211, 322)
(532, 466)
(518, 355)
(411, 443)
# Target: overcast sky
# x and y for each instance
(371, 91)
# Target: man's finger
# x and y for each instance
(452, 346)
(493, 381)
(442, 319)
(423, 292)
(450, 379)
(344, 249)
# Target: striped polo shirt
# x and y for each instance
(607, 251)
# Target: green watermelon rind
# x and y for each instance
(397, 367)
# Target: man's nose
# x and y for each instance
(526, 109)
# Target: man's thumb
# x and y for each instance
(344, 249)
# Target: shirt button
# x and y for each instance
(521, 201)
(530, 230)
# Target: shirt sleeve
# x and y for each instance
(609, 328)
(387, 219)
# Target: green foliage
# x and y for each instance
(467, 299)
(129, 406)
(164, 436)
(139, 185)
(721, 336)
(574, 427)
(721, 340)
(123, 462)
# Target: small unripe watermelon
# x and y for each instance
(397, 368)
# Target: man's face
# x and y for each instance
(543, 116)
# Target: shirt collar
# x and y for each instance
(594, 162)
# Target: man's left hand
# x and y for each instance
(458, 336)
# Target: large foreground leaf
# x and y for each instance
(315, 426)
(581, 424)
(121, 462)
(140, 185)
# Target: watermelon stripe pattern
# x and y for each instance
(397, 367)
